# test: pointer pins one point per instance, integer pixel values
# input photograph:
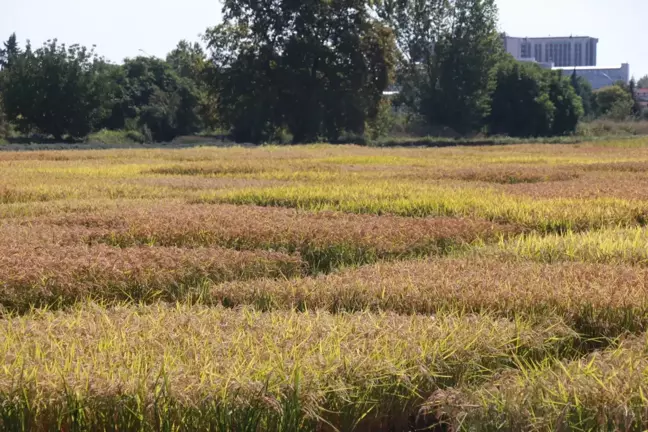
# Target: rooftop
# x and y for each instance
(552, 37)
(589, 67)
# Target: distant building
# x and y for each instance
(642, 97)
(600, 77)
(561, 51)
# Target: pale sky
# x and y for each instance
(120, 28)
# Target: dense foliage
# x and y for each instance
(316, 68)
(530, 101)
(305, 71)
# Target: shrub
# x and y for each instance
(106, 136)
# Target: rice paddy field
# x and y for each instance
(325, 288)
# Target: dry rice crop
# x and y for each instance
(596, 300)
(325, 240)
(325, 288)
(603, 391)
(196, 368)
(60, 275)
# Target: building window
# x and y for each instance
(538, 53)
(578, 54)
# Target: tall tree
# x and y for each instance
(448, 49)
(53, 90)
(567, 104)
(520, 104)
(583, 88)
(154, 98)
(465, 57)
(614, 102)
(318, 67)
(632, 90)
(530, 101)
(643, 82)
(10, 51)
(190, 62)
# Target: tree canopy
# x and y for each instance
(530, 101)
(317, 68)
(643, 82)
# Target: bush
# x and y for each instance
(614, 102)
(4, 124)
(528, 101)
(608, 127)
(116, 137)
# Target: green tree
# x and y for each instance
(10, 51)
(632, 90)
(316, 67)
(643, 82)
(530, 101)
(53, 90)
(151, 95)
(583, 88)
(567, 103)
(520, 103)
(464, 59)
(190, 62)
(4, 124)
(448, 49)
(614, 102)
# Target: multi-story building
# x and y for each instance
(561, 51)
(642, 97)
(600, 77)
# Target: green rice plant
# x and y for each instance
(197, 368)
(609, 246)
(412, 200)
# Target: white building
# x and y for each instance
(642, 97)
(600, 77)
(561, 51)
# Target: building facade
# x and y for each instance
(561, 51)
(600, 77)
(642, 97)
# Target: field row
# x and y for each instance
(325, 288)
(197, 368)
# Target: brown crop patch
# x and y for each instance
(55, 275)
(633, 167)
(631, 186)
(596, 299)
(200, 183)
(508, 174)
(325, 240)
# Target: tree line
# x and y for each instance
(308, 70)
